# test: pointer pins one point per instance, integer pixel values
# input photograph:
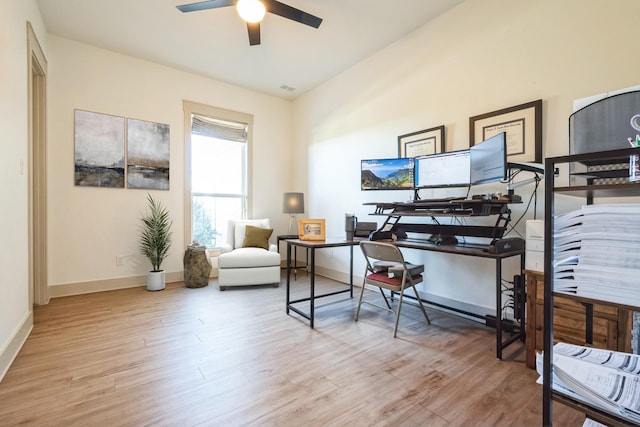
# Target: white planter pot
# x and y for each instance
(155, 280)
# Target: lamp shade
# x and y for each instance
(293, 203)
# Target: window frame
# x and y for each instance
(190, 108)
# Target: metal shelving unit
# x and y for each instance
(592, 184)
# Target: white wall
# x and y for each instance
(478, 57)
(15, 312)
(89, 226)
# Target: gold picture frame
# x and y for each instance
(312, 229)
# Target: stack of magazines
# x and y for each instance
(596, 252)
(607, 379)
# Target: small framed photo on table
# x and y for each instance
(312, 229)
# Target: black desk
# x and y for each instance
(475, 250)
(312, 245)
(480, 251)
(396, 212)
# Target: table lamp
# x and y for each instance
(292, 204)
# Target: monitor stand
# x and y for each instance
(443, 239)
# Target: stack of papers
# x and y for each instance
(609, 380)
(596, 252)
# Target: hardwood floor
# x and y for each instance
(201, 357)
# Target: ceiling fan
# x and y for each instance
(252, 11)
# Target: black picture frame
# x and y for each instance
(422, 142)
(522, 124)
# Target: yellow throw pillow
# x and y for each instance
(256, 237)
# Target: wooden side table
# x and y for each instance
(196, 267)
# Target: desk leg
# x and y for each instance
(523, 332)
(499, 308)
(288, 274)
(351, 272)
(312, 280)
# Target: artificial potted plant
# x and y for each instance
(155, 241)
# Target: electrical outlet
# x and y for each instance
(120, 260)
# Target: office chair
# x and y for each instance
(387, 269)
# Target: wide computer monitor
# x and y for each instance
(387, 174)
(489, 160)
(450, 169)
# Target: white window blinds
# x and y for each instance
(221, 129)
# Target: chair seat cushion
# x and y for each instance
(413, 269)
(382, 266)
(248, 257)
(393, 281)
(395, 268)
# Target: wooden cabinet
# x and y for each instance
(611, 325)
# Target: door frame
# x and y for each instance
(37, 170)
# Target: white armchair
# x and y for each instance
(248, 259)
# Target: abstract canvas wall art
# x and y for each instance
(99, 149)
(147, 155)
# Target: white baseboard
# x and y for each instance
(14, 344)
(65, 290)
(458, 305)
(338, 276)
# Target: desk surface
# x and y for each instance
(441, 202)
(470, 249)
(440, 207)
(327, 243)
(287, 236)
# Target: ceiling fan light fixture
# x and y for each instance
(251, 10)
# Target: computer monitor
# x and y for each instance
(489, 160)
(387, 174)
(449, 169)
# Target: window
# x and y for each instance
(217, 158)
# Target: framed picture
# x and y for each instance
(422, 142)
(522, 124)
(147, 155)
(99, 149)
(312, 229)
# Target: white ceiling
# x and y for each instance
(214, 43)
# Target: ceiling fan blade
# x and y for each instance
(204, 5)
(254, 33)
(292, 13)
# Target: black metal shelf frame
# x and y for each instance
(589, 191)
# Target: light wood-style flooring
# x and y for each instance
(201, 357)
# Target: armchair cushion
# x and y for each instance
(237, 230)
(256, 237)
(249, 258)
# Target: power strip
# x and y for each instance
(508, 325)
